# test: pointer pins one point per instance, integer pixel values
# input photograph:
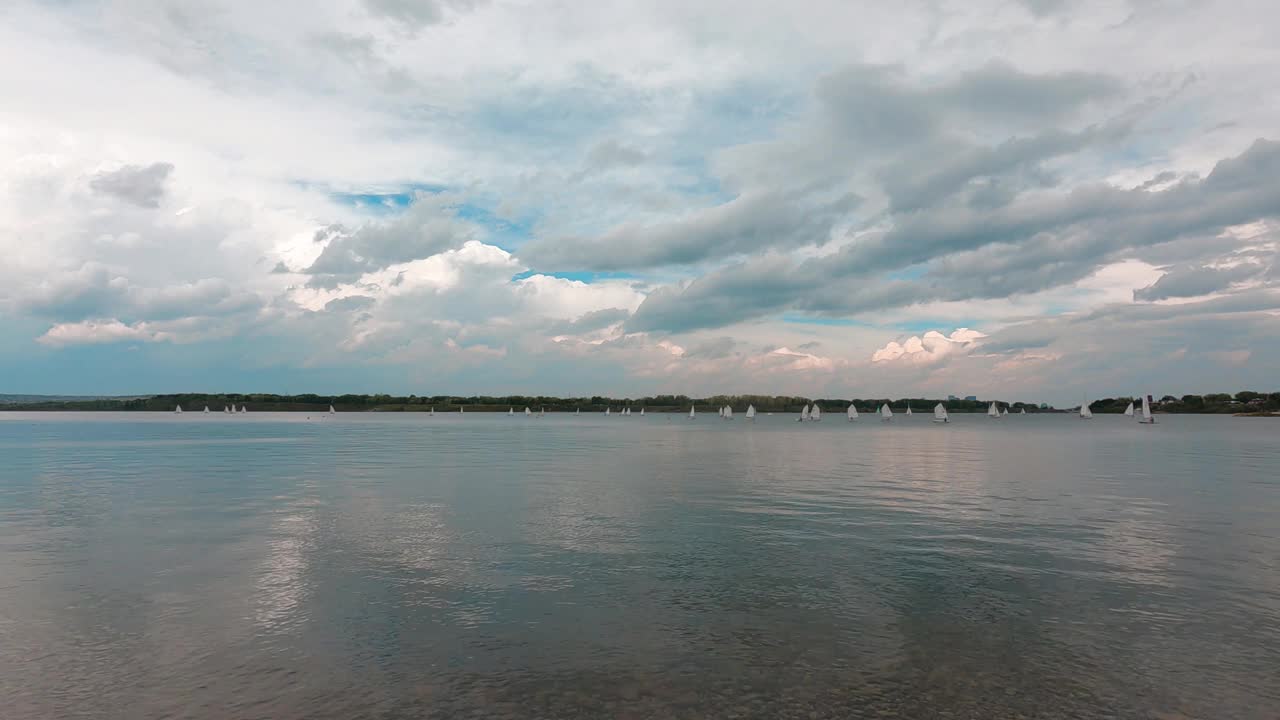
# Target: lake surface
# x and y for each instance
(388, 566)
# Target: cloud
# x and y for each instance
(98, 332)
(1194, 280)
(141, 185)
(428, 227)
(610, 154)
(933, 347)
(417, 14)
(1031, 245)
(745, 224)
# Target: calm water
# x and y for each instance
(386, 566)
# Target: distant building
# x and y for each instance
(951, 398)
(971, 398)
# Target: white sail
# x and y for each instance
(993, 411)
(852, 413)
(332, 411)
(542, 412)
(461, 411)
(1023, 411)
(816, 415)
(608, 411)
(940, 413)
(908, 413)
(885, 413)
(432, 412)
(206, 408)
(804, 414)
(641, 412)
(692, 409)
(527, 412)
(751, 412)
(1129, 410)
(728, 413)
(226, 409)
(577, 411)
(1003, 413)
(1085, 412)
(1147, 417)
(244, 408)
(512, 411)
(177, 409)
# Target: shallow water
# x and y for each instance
(389, 565)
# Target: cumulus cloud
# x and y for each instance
(931, 348)
(95, 332)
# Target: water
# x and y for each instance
(386, 566)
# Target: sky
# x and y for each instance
(1027, 199)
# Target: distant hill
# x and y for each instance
(22, 399)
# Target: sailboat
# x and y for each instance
(816, 415)
(542, 412)
(332, 411)
(908, 410)
(751, 412)
(577, 411)
(940, 414)
(527, 411)
(1003, 413)
(1085, 412)
(512, 411)
(177, 410)
(462, 411)
(226, 409)
(993, 411)
(852, 413)
(206, 409)
(1023, 411)
(1129, 410)
(692, 409)
(431, 412)
(641, 412)
(244, 408)
(728, 413)
(885, 413)
(1147, 417)
(804, 414)
(608, 412)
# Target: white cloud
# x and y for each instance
(931, 348)
(92, 332)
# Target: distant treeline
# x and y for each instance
(1246, 401)
(1225, 403)
(447, 403)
